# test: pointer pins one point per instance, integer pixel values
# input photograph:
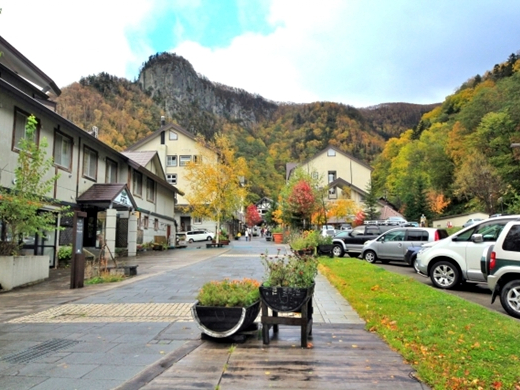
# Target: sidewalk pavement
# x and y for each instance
(139, 334)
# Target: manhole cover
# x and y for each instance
(38, 351)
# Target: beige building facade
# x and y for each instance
(345, 176)
(175, 148)
(127, 203)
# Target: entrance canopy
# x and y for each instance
(108, 196)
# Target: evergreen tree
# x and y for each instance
(370, 209)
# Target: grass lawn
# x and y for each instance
(452, 343)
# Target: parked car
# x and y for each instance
(471, 221)
(500, 265)
(352, 241)
(345, 226)
(180, 240)
(411, 224)
(328, 230)
(456, 259)
(395, 221)
(198, 235)
(410, 256)
(392, 245)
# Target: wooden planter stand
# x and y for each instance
(305, 322)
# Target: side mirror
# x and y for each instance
(477, 238)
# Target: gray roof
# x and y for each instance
(141, 157)
(157, 133)
(104, 195)
(17, 62)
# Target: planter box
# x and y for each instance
(325, 249)
(221, 242)
(278, 238)
(287, 299)
(222, 322)
(18, 271)
(303, 252)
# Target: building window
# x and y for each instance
(184, 160)
(197, 220)
(315, 175)
(331, 153)
(20, 128)
(111, 171)
(197, 159)
(173, 136)
(137, 184)
(156, 224)
(62, 150)
(150, 190)
(146, 221)
(172, 179)
(90, 158)
(171, 161)
(331, 176)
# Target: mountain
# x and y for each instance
(459, 156)
(267, 133)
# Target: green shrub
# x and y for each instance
(65, 252)
(229, 293)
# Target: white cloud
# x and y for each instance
(359, 52)
(68, 41)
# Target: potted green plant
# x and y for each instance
(303, 243)
(324, 246)
(277, 234)
(227, 306)
(223, 237)
(288, 281)
(288, 287)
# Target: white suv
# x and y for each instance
(199, 235)
(456, 259)
(500, 263)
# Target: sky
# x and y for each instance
(356, 52)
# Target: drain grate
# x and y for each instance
(38, 351)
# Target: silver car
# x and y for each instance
(393, 244)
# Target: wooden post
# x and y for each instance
(77, 269)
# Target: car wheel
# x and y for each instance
(510, 298)
(370, 256)
(337, 251)
(209, 238)
(445, 275)
(415, 264)
(190, 240)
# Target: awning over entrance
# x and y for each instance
(108, 196)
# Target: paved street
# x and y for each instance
(139, 334)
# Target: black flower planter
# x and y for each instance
(222, 322)
(303, 252)
(325, 249)
(285, 298)
(288, 299)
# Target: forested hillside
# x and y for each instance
(459, 156)
(268, 134)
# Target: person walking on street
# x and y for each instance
(247, 234)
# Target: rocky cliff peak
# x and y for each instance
(189, 97)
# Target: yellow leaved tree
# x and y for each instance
(216, 181)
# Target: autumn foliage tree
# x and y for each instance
(253, 217)
(299, 199)
(216, 181)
